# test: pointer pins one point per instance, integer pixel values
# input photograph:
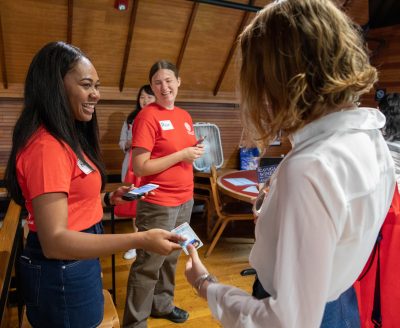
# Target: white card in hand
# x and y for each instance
(191, 238)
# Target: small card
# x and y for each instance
(186, 231)
(240, 182)
(252, 189)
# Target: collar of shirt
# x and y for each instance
(362, 118)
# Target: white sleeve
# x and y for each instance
(293, 255)
(124, 136)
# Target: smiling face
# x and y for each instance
(146, 99)
(165, 86)
(81, 85)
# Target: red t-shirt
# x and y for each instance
(162, 132)
(45, 166)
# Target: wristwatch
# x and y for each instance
(200, 281)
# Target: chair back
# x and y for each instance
(214, 190)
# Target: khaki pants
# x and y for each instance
(151, 280)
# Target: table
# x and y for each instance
(238, 192)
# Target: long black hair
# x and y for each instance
(133, 114)
(46, 104)
(390, 107)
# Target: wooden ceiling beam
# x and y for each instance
(70, 20)
(230, 4)
(187, 34)
(3, 57)
(128, 44)
(232, 50)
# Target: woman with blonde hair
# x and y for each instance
(304, 67)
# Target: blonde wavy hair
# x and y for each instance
(300, 59)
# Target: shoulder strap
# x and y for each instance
(376, 316)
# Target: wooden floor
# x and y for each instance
(227, 260)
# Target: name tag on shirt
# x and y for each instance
(84, 168)
(166, 125)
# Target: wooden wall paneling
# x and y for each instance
(187, 34)
(357, 10)
(3, 58)
(128, 43)
(209, 45)
(9, 113)
(110, 116)
(387, 58)
(243, 23)
(27, 26)
(101, 32)
(159, 32)
(70, 20)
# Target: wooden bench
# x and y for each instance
(10, 246)
(110, 319)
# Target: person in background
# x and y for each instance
(145, 96)
(331, 193)
(56, 171)
(164, 148)
(390, 107)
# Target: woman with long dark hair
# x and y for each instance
(55, 169)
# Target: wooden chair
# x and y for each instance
(202, 192)
(110, 319)
(225, 212)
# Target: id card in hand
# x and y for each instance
(191, 238)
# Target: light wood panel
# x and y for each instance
(159, 32)
(101, 31)
(8, 233)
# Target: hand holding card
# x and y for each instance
(191, 238)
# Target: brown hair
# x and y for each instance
(301, 59)
(162, 64)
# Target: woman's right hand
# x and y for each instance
(190, 154)
(159, 241)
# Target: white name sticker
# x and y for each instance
(84, 168)
(166, 125)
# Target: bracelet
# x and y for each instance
(107, 199)
(198, 283)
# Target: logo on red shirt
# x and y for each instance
(189, 129)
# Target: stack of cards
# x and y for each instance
(191, 238)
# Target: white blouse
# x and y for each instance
(318, 224)
(394, 147)
(126, 134)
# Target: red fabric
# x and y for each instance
(47, 166)
(163, 132)
(128, 210)
(389, 274)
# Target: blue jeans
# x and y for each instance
(341, 313)
(61, 293)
